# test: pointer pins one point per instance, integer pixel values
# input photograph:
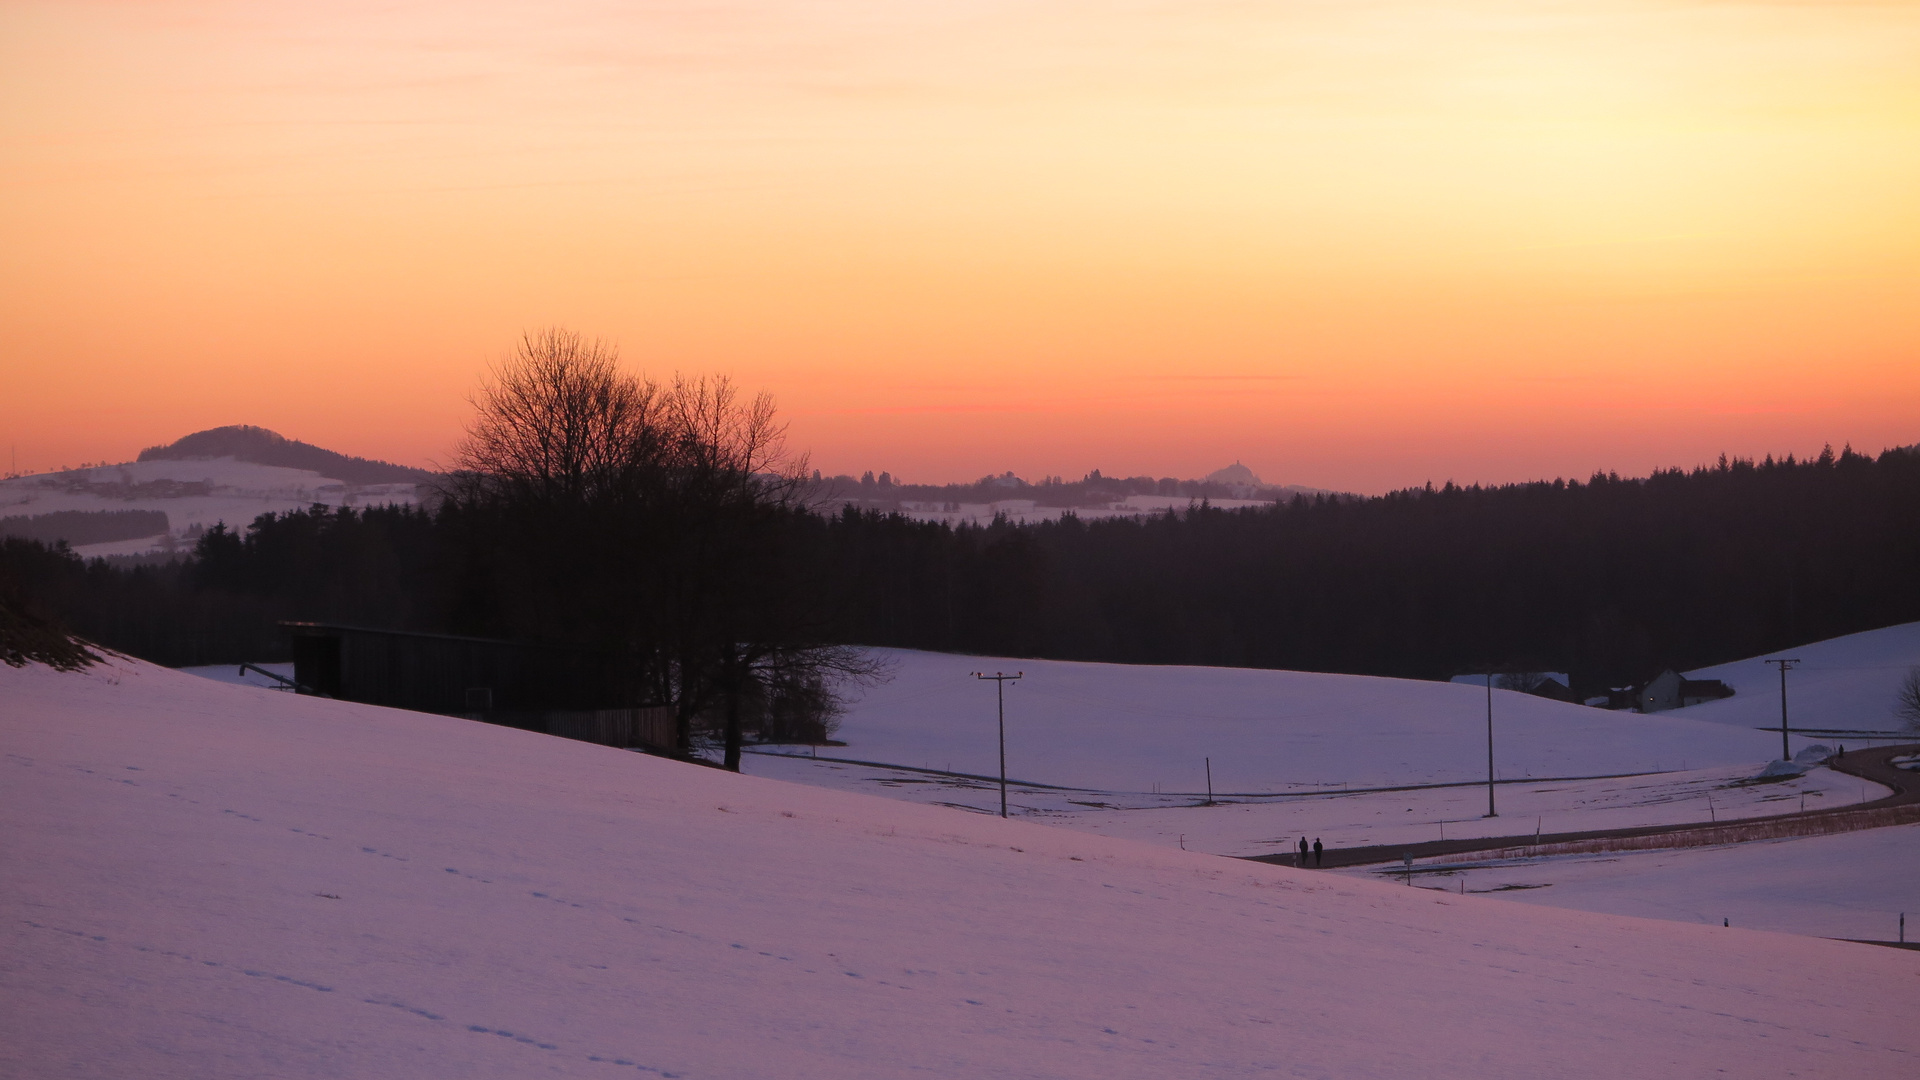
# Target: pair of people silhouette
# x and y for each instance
(1316, 850)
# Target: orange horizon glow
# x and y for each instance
(1353, 245)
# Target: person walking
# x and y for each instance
(1316, 851)
(1303, 854)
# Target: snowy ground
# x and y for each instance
(1852, 885)
(1126, 734)
(212, 881)
(1132, 744)
(238, 492)
(1150, 728)
(1845, 684)
(231, 673)
(1256, 826)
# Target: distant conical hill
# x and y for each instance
(1235, 473)
(262, 447)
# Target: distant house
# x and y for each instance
(1553, 689)
(575, 693)
(1668, 690)
(1555, 685)
(1617, 698)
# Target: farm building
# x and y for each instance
(575, 693)
(1669, 690)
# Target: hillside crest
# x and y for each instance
(260, 446)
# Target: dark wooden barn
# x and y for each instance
(575, 693)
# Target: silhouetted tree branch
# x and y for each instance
(1907, 701)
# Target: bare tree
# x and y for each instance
(558, 422)
(1524, 681)
(720, 437)
(751, 615)
(1907, 701)
(661, 525)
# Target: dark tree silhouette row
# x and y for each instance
(1611, 579)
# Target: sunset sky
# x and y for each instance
(1353, 244)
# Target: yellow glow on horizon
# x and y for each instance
(1352, 244)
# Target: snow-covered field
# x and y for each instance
(1134, 728)
(1131, 746)
(1842, 684)
(1265, 826)
(1852, 885)
(235, 492)
(1126, 726)
(206, 880)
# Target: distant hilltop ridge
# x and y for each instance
(244, 442)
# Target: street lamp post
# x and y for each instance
(1000, 690)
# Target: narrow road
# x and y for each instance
(1870, 764)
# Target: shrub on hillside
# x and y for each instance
(27, 634)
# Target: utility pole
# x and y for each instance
(1490, 810)
(1000, 690)
(1783, 663)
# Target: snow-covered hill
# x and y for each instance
(1141, 728)
(194, 494)
(1845, 684)
(1850, 885)
(1131, 744)
(214, 881)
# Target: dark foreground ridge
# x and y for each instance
(1901, 807)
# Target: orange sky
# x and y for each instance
(1356, 245)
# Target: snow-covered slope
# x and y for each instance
(1138, 728)
(1849, 885)
(1268, 825)
(206, 880)
(194, 494)
(1844, 683)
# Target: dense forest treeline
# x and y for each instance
(1611, 579)
(1092, 491)
(85, 526)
